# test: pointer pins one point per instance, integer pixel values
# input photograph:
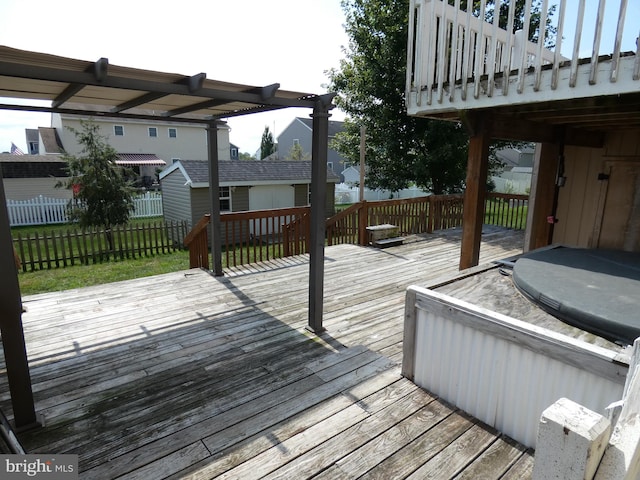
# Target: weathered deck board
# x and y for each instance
(186, 375)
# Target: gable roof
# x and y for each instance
(247, 173)
(31, 134)
(335, 126)
(50, 140)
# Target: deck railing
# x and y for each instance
(255, 236)
(458, 59)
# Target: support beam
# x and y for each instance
(541, 197)
(474, 196)
(214, 195)
(15, 352)
(319, 147)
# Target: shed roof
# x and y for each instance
(247, 172)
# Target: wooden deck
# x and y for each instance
(186, 375)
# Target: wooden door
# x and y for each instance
(620, 219)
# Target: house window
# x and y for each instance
(225, 199)
(33, 148)
(234, 153)
(309, 194)
(153, 132)
(173, 133)
(330, 166)
(118, 130)
(296, 142)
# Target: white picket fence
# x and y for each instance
(45, 210)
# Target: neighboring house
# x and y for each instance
(244, 185)
(517, 168)
(145, 147)
(234, 152)
(298, 132)
(33, 141)
(351, 175)
(28, 176)
(44, 141)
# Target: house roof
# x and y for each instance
(31, 134)
(8, 158)
(335, 126)
(241, 173)
(50, 140)
(84, 87)
(134, 159)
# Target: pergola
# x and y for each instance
(98, 89)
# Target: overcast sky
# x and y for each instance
(254, 42)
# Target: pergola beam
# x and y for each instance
(99, 70)
(83, 78)
(194, 83)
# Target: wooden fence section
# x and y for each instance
(68, 247)
(43, 210)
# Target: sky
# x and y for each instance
(253, 42)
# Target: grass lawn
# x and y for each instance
(42, 281)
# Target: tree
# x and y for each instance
(296, 152)
(102, 195)
(267, 145)
(246, 156)
(370, 85)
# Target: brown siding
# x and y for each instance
(200, 203)
(301, 195)
(240, 199)
(582, 201)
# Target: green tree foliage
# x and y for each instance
(246, 156)
(370, 85)
(296, 152)
(267, 145)
(102, 195)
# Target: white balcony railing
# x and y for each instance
(458, 60)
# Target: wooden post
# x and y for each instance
(363, 131)
(571, 441)
(541, 196)
(214, 194)
(319, 150)
(473, 213)
(363, 221)
(15, 351)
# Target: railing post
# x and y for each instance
(430, 214)
(363, 220)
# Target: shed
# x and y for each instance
(244, 185)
